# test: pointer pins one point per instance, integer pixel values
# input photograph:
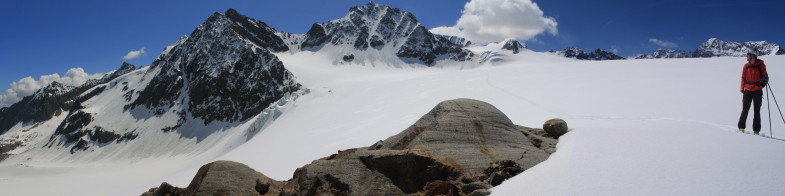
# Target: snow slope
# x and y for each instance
(656, 127)
(625, 115)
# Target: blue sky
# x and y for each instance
(44, 37)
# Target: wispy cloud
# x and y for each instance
(663, 43)
(488, 21)
(134, 54)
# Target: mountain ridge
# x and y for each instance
(714, 47)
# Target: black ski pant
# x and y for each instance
(750, 97)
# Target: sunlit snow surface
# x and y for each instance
(639, 127)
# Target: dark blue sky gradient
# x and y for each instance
(45, 37)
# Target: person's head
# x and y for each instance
(752, 57)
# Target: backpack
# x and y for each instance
(764, 79)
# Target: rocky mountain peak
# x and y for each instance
(124, 69)
(247, 28)
(53, 89)
(513, 45)
(715, 47)
(225, 63)
(376, 27)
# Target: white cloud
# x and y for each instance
(134, 54)
(488, 21)
(663, 43)
(28, 85)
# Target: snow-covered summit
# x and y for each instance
(715, 47)
(225, 62)
(384, 29)
(124, 69)
(53, 89)
(513, 45)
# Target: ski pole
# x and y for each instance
(776, 103)
(768, 108)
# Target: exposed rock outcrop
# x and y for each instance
(223, 178)
(460, 147)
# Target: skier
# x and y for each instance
(753, 78)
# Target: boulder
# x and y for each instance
(555, 127)
(223, 178)
(460, 147)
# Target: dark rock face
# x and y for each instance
(377, 26)
(124, 69)
(316, 36)
(52, 100)
(514, 46)
(256, 31)
(5, 148)
(426, 47)
(227, 78)
(419, 170)
(461, 147)
(460, 41)
(598, 54)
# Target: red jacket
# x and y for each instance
(752, 74)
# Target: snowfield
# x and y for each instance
(638, 127)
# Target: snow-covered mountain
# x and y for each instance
(218, 85)
(513, 45)
(666, 53)
(715, 48)
(579, 54)
(376, 31)
(51, 101)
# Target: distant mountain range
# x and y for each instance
(715, 48)
(579, 54)
(711, 48)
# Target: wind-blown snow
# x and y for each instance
(639, 127)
